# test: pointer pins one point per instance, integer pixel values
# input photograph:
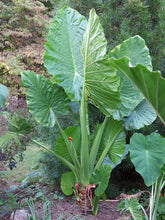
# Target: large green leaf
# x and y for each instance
(148, 155)
(61, 148)
(101, 178)
(44, 98)
(62, 56)
(68, 181)
(135, 49)
(4, 93)
(101, 79)
(142, 115)
(112, 142)
(150, 83)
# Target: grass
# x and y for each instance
(32, 155)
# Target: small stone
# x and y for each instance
(20, 215)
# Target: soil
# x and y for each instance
(68, 207)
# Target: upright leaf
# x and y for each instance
(62, 56)
(101, 79)
(113, 142)
(148, 155)
(45, 99)
(60, 146)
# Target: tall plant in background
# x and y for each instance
(76, 57)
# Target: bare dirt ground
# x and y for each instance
(68, 207)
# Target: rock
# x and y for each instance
(20, 215)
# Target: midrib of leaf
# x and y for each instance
(145, 86)
(86, 50)
(147, 161)
(103, 45)
(71, 49)
(157, 92)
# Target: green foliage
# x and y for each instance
(161, 209)
(147, 154)
(9, 200)
(21, 22)
(13, 141)
(50, 104)
(23, 30)
(68, 182)
(47, 215)
(131, 206)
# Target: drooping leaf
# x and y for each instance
(68, 183)
(148, 155)
(150, 83)
(113, 141)
(61, 148)
(101, 178)
(101, 79)
(130, 98)
(44, 98)
(4, 93)
(62, 56)
(108, 161)
(142, 115)
(135, 49)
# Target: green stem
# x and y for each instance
(157, 190)
(74, 170)
(96, 145)
(84, 138)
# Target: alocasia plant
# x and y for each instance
(82, 70)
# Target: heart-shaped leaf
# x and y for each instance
(148, 155)
(68, 183)
(44, 98)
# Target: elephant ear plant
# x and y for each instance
(83, 72)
